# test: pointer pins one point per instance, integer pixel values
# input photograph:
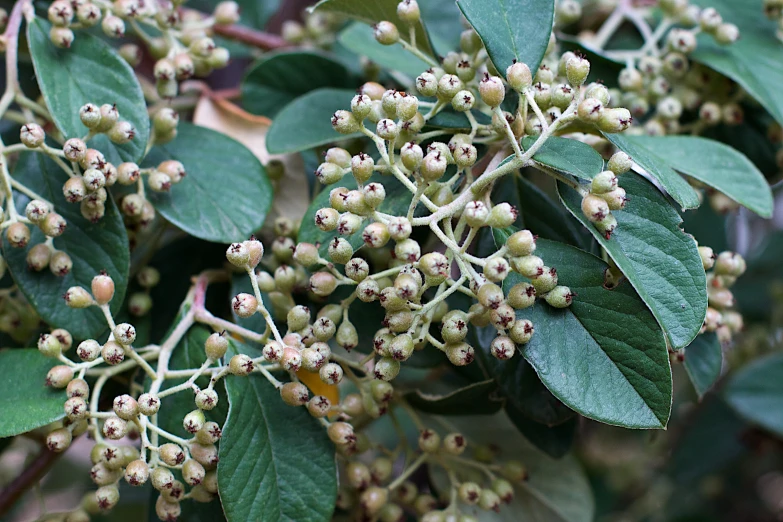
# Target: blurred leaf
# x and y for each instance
(279, 78)
(26, 402)
(205, 204)
(512, 31)
(358, 38)
(90, 71)
(555, 441)
(755, 392)
(478, 398)
(658, 258)
(703, 361)
(92, 246)
(604, 356)
(306, 122)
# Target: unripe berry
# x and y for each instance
(521, 331)
(476, 214)
(730, 263)
(603, 182)
(341, 433)
(344, 122)
(615, 199)
(411, 155)
(137, 473)
(387, 129)
(460, 354)
(53, 225)
(114, 428)
(241, 365)
(76, 408)
(32, 135)
(331, 373)
(519, 76)
(386, 33)
(348, 224)
(291, 359)
(502, 347)
(244, 305)
(489, 500)
(102, 288)
(121, 132)
(192, 472)
(707, 257)
(206, 399)
(172, 454)
(607, 225)
(560, 297)
(210, 433)
(463, 101)
(49, 345)
(125, 407)
(18, 235)
(427, 84)
(614, 120)
(502, 215)
(496, 269)
(408, 11)
(594, 208)
(577, 69)
(386, 369)
(59, 376)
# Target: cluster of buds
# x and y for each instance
(317, 30)
(721, 318)
(184, 50)
(773, 9)
(605, 195)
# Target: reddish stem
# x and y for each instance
(22, 484)
(250, 36)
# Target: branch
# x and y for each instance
(24, 482)
(246, 35)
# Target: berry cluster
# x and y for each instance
(773, 9)
(726, 268)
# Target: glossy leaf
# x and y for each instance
(225, 195)
(276, 462)
(753, 61)
(555, 441)
(657, 167)
(565, 155)
(280, 78)
(376, 11)
(306, 122)
(92, 246)
(90, 71)
(556, 490)
(358, 38)
(398, 199)
(755, 392)
(703, 361)
(478, 398)
(26, 402)
(604, 356)
(658, 258)
(512, 30)
(714, 164)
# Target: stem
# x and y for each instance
(408, 471)
(250, 36)
(31, 475)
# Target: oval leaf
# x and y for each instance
(512, 30)
(756, 392)
(714, 164)
(565, 155)
(604, 356)
(660, 260)
(306, 122)
(280, 78)
(753, 61)
(225, 195)
(374, 12)
(658, 168)
(90, 71)
(478, 398)
(703, 361)
(92, 246)
(269, 454)
(26, 402)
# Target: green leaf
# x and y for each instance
(755, 392)
(281, 77)
(556, 490)
(398, 199)
(374, 12)
(253, 13)
(92, 246)
(448, 118)
(703, 361)
(714, 164)
(224, 197)
(555, 441)
(358, 38)
(512, 30)
(444, 24)
(566, 155)
(90, 71)
(658, 168)
(306, 122)
(478, 398)
(26, 402)
(660, 260)
(753, 61)
(604, 356)
(276, 462)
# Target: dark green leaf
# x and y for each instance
(753, 61)
(565, 155)
(90, 71)
(755, 392)
(755, 296)
(703, 361)
(512, 30)
(398, 199)
(92, 246)
(224, 197)
(707, 226)
(276, 462)
(280, 78)
(374, 12)
(253, 13)
(306, 122)
(604, 356)
(658, 168)
(555, 441)
(444, 24)
(358, 38)
(545, 218)
(478, 398)
(714, 164)
(658, 258)
(448, 118)
(26, 402)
